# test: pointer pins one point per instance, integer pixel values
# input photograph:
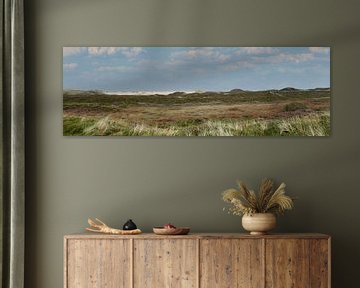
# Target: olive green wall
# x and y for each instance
(179, 180)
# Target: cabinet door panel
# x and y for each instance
(166, 263)
(319, 263)
(98, 264)
(287, 263)
(231, 263)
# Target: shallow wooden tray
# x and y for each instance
(171, 231)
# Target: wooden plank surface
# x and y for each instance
(98, 264)
(319, 263)
(287, 263)
(89, 235)
(231, 263)
(197, 260)
(169, 263)
(66, 263)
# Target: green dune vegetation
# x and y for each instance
(285, 112)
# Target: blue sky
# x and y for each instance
(195, 68)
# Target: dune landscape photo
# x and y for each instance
(196, 91)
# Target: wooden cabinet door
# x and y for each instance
(231, 263)
(98, 263)
(165, 263)
(297, 263)
(287, 263)
(320, 263)
(203, 262)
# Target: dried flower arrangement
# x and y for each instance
(246, 202)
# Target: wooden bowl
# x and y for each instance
(171, 231)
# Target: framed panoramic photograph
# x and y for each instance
(196, 91)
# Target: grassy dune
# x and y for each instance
(310, 125)
(247, 113)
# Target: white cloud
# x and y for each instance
(297, 58)
(286, 57)
(209, 54)
(129, 52)
(254, 50)
(198, 52)
(324, 50)
(102, 50)
(234, 59)
(114, 69)
(272, 55)
(238, 65)
(70, 66)
(68, 51)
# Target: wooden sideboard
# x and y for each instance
(197, 260)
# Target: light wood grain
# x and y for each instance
(205, 260)
(98, 264)
(231, 263)
(89, 235)
(66, 262)
(165, 263)
(319, 263)
(287, 263)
